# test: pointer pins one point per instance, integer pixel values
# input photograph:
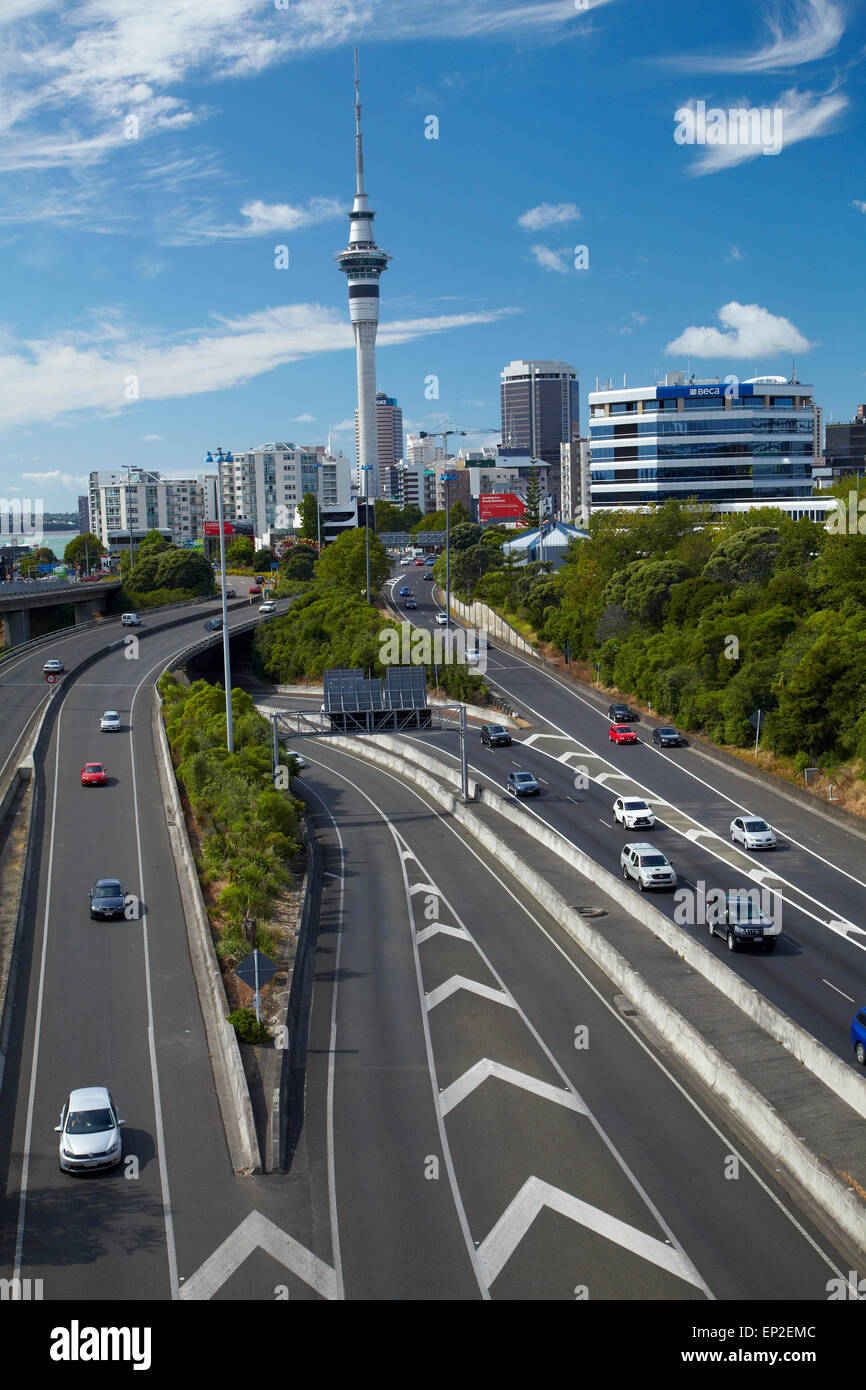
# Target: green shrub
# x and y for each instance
(247, 1028)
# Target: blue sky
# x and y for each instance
(145, 248)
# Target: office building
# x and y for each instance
(540, 407)
(83, 516)
(845, 447)
(423, 449)
(747, 444)
(266, 485)
(389, 436)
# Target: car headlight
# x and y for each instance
(67, 1153)
(112, 1148)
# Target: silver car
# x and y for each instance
(752, 833)
(52, 667)
(647, 866)
(110, 722)
(89, 1131)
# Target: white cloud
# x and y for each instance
(548, 215)
(95, 369)
(548, 259)
(803, 117)
(152, 438)
(301, 419)
(58, 479)
(860, 206)
(747, 331)
(811, 30)
(265, 218)
(633, 319)
(734, 254)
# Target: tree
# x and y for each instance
(746, 557)
(309, 510)
(263, 559)
(532, 501)
(154, 541)
(183, 569)
(240, 553)
(464, 536)
(300, 563)
(28, 564)
(344, 563)
(83, 550)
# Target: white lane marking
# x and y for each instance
(498, 1247)
(838, 991)
(257, 1232)
(666, 758)
(436, 927)
(423, 887)
(34, 1061)
(478, 1073)
(332, 1053)
(444, 991)
(725, 1139)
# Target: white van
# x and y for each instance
(130, 620)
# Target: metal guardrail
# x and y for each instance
(49, 637)
(16, 587)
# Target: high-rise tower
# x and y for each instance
(362, 263)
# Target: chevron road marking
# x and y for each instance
(256, 1232)
(497, 1248)
(435, 927)
(477, 1074)
(456, 982)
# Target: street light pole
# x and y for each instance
(366, 468)
(447, 479)
(220, 459)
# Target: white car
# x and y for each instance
(110, 722)
(267, 607)
(647, 866)
(752, 833)
(442, 619)
(301, 762)
(130, 620)
(631, 812)
(52, 667)
(89, 1131)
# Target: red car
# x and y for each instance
(621, 733)
(255, 589)
(419, 562)
(93, 775)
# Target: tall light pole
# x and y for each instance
(220, 460)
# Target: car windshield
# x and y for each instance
(652, 861)
(89, 1121)
(111, 714)
(523, 777)
(623, 729)
(93, 767)
(668, 731)
(107, 890)
(756, 825)
(744, 909)
(636, 806)
(495, 729)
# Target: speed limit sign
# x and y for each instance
(50, 678)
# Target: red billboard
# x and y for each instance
(212, 528)
(500, 506)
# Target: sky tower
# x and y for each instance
(362, 263)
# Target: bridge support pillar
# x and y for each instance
(84, 612)
(16, 627)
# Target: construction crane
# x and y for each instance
(444, 435)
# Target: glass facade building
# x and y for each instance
(745, 441)
(540, 404)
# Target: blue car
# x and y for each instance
(858, 1036)
(404, 591)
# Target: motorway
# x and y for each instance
(458, 1143)
(817, 973)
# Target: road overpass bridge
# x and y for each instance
(21, 596)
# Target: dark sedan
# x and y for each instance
(495, 736)
(620, 713)
(107, 898)
(667, 738)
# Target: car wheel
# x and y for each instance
(711, 929)
(733, 838)
(732, 941)
(860, 1054)
(625, 873)
(640, 884)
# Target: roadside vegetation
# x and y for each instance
(163, 573)
(245, 833)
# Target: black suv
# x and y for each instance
(620, 713)
(495, 736)
(214, 625)
(667, 737)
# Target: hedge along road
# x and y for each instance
(817, 974)
(477, 1147)
(114, 1003)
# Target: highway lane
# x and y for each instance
(115, 1003)
(817, 975)
(546, 1147)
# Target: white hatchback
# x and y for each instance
(110, 722)
(442, 619)
(752, 833)
(89, 1131)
